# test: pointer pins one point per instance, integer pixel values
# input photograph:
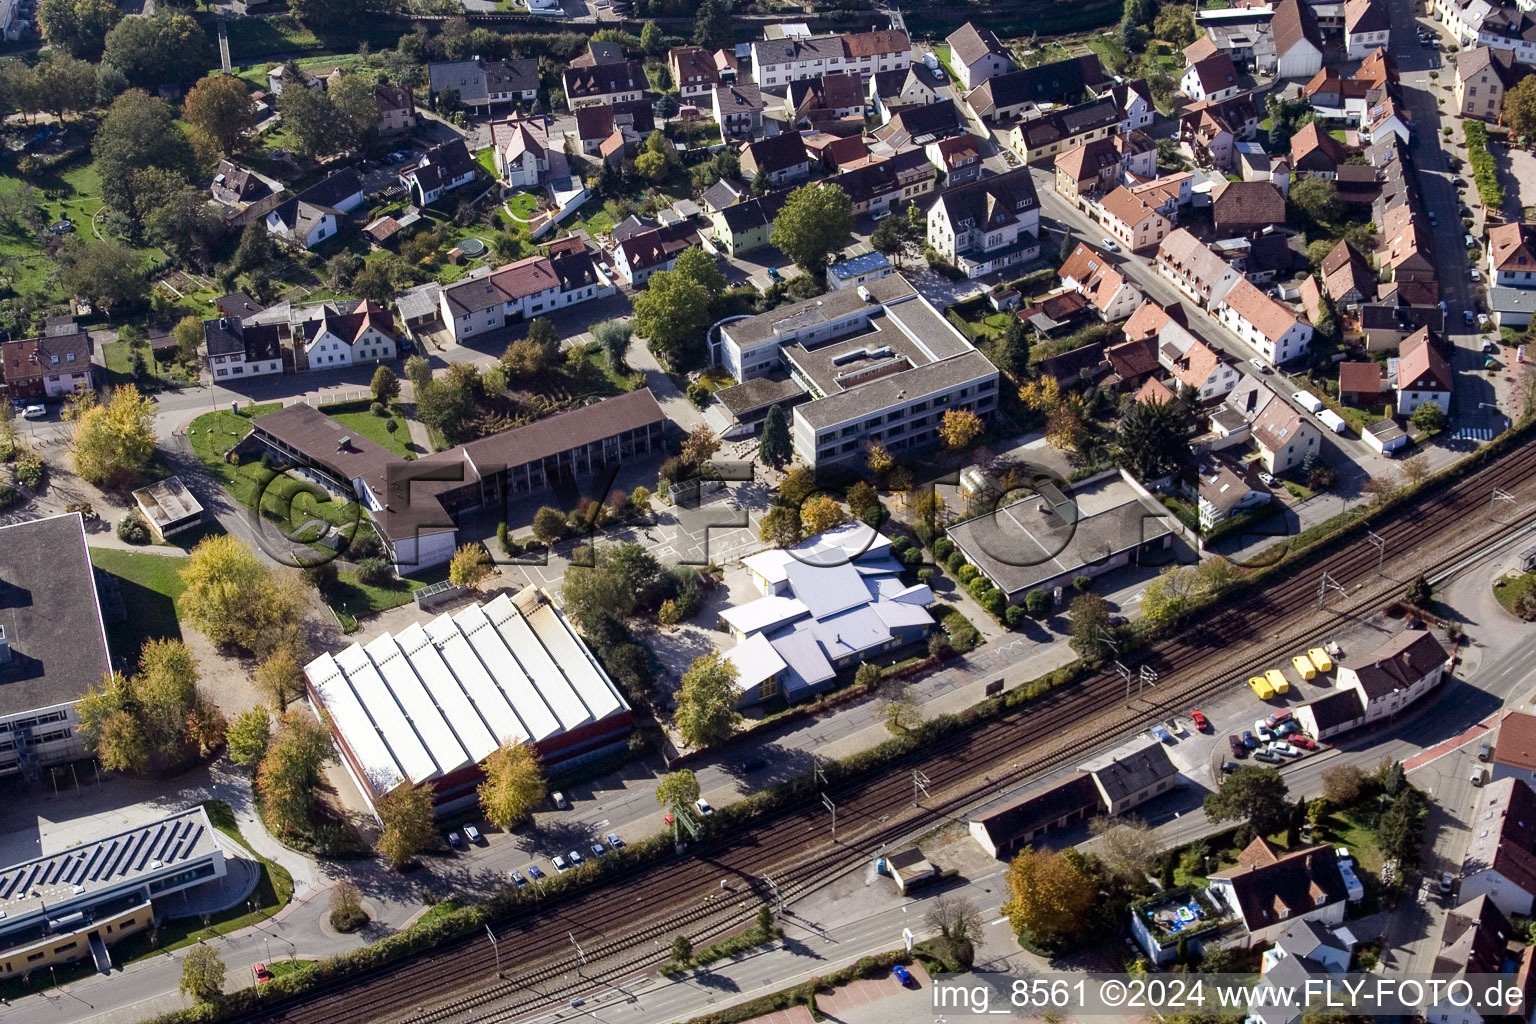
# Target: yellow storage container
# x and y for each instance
(1278, 681)
(1304, 667)
(1320, 659)
(1261, 687)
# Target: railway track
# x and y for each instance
(617, 919)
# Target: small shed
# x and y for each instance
(169, 507)
(910, 869)
(1385, 436)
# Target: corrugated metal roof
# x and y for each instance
(827, 590)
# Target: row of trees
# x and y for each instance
(153, 720)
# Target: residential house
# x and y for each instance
(835, 153)
(1005, 97)
(877, 187)
(596, 126)
(1366, 27)
(622, 82)
(1059, 314)
(1193, 363)
(918, 126)
(987, 225)
(302, 222)
(639, 256)
(1483, 74)
(1109, 294)
(397, 108)
(1131, 774)
(1305, 958)
(604, 52)
(869, 53)
(890, 92)
(1386, 112)
(236, 349)
(1500, 862)
(277, 79)
(1208, 134)
(1060, 130)
(1168, 194)
(1347, 277)
(513, 292)
(1214, 78)
(1314, 152)
(1134, 100)
(1386, 325)
(1225, 489)
(975, 55)
(1267, 327)
(1194, 269)
(1130, 219)
(50, 366)
(738, 110)
(1363, 385)
(1270, 890)
(1298, 40)
(830, 98)
(781, 158)
(1483, 23)
(1395, 674)
(745, 226)
(1132, 364)
(234, 185)
(484, 83)
(1246, 207)
(440, 170)
(694, 74)
(1474, 942)
(1244, 32)
(1514, 746)
(1284, 437)
(521, 152)
(1091, 169)
(858, 270)
(777, 62)
(1423, 374)
(1512, 255)
(958, 158)
(330, 339)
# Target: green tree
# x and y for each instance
(1519, 107)
(1317, 198)
(470, 564)
(1010, 353)
(255, 250)
(157, 49)
(1253, 794)
(65, 85)
(677, 307)
(815, 221)
(774, 445)
(278, 676)
(514, 784)
(651, 39)
(1419, 593)
(682, 950)
(219, 106)
(448, 402)
(543, 333)
(1401, 830)
(1090, 624)
(677, 789)
(323, 16)
(612, 336)
(107, 274)
(78, 27)
(892, 236)
(138, 132)
(1176, 24)
(357, 112)
(706, 706)
(959, 428)
(249, 734)
(407, 824)
(1049, 898)
(113, 443)
(290, 772)
(232, 597)
(1152, 440)
(1429, 417)
(310, 117)
(419, 372)
(376, 281)
(385, 386)
(712, 25)
(549, 525)
(202, 974)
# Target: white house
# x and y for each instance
(236, 349)
(329, 340)
(987, 225)
(1092, 274)
(1423, 374)
(1214, 79)
(1267, 327)
(1298, 40)
(1271, 891)
(521, 151)
(527, 288)
(1194, 269)
(303, 223)
(440, 170)
(1365, 27)
(1284, 436)
(1395, 674)
(976, 54)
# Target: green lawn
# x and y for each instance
(524, 205)
(149, 584)
(279, 968)
(355, 600)
(356, 417)
(1508, 589)
(214, 433)
(596, 216)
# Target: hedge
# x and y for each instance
(1485, 173)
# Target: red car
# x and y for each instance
(1300, 740)
(1201, 722)
(262, 974)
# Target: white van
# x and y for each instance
(1308, 401)
(1333, 421)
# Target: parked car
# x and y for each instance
(753, 764)
(1109, 243)
(35, 412)
(473, 835)
(1446, 881)
(904, 976)
(1281, 747)
(703, 807)
(575, 858)
(1477, 275)
(517, 878)
(560, 864)
(454, 840)
(1201, 722)
(534, 873)
(1266, 479)
(1238, 750)
(1267, 755)
(598, 849)
(1260, 365)
(262, 974)
(1467, 315)
(614, 841)
(1483, 323)
(1248, 740)
(1302, 740)
(1228, 767)
(1262, 732)
(559, 800)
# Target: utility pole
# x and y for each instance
(1104, 638)
(581, 956)
(1381, 548)
(826, 802)
(919, 786)
(1125, 674)
(1148, 678)
(1324, 585)
(496, 947)
(1500, 494)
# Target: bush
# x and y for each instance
(668, 614)
(8, 495)
(1082, 583)
(374, 572)
(955, 560)
(911, 557)
(29, 470)
(901, 542)
(926, 576)
(925, 534)
(1037, 602)
(943, 548)
(1014, 616)
(698, 393)
(379, 409)
(967, 573)
(995, 603)
(132, 529)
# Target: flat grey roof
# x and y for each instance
(55, 882)
(757, 393)
(1019, 546)
(50, 613)
(885, 392)
(831, 306)
(833, 366)
(168, 501)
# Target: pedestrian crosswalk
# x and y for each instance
(1473, 434)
